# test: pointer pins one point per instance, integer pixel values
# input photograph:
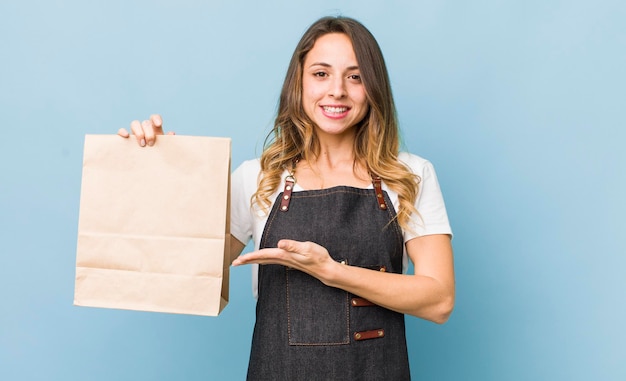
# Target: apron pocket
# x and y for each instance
(316, 314)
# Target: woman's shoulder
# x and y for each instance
(251, 164)
(247, 173)
(247, 168)
(416, 164)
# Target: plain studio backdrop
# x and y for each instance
(519, 105)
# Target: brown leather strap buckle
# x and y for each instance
(290, 181)
(377, 182)
(286, 197)
(360, 302)
(366, 335)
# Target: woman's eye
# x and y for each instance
(355, 77)
(320, 74)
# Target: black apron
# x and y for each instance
(306, 330)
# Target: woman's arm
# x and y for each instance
(428, 294)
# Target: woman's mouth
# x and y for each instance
(335, 111)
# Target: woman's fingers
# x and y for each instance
(137, 129)
(146, 131)
(157, 122)
(289, 253)
(296, 246)
(152, 128)
(123, 133)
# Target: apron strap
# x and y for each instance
(290, 181)
(377, 182)
(284, 201)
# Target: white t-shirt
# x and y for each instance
(247, 222)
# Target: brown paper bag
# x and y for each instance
(153, 230)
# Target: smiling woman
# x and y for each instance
(333, 95)
(335, 212)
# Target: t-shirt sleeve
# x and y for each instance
(431, 217)
(243, 184)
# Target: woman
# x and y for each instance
(335, 212)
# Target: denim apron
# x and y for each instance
(306, 330)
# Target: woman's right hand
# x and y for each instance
(145, 132)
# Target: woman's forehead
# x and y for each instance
(332, 49)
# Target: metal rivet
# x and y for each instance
(383, 206)
(284, 208)
(357, 335)
(383, 269)
(380, 333)
(343, 262)
(353, 302)
(379, 195)
(288, 187)
(286, 197)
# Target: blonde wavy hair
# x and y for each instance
(377, 140)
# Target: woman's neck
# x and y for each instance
(334, 165)
(335, 151)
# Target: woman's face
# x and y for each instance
(333, 95)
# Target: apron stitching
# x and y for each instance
(346, 341)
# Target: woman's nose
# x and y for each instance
(337, 88)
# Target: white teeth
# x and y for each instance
(335, 110)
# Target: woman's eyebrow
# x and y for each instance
(324, 64)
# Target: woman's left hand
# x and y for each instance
(308, 257)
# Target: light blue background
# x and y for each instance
(519, 104)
